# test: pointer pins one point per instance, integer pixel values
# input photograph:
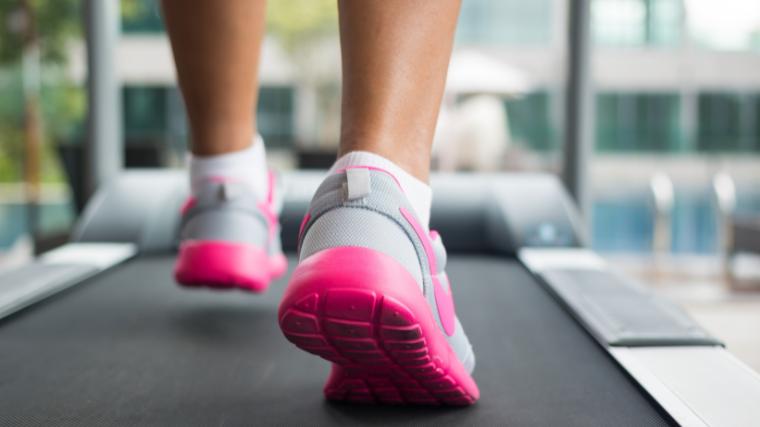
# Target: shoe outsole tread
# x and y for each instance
(378, 346)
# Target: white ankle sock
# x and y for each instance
(419, 193)
(248, 165)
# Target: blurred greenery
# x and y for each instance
(141, 16)
(63, 107)
(295, 22)
(298, 26)
(58, 23)
(55, 25)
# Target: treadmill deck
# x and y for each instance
(129, 347)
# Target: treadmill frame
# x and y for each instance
(138, 213)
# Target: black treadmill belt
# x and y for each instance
(130, 348)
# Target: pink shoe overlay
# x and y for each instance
(222, 264)
(443, 298)
(219, 264)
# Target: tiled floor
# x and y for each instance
(735, 319)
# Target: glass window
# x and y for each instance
(148, 114)
(492, 22)
(637, 122)
(275, 115)
(141, 16)
(530, 123)
(145, 111)
(636, 22)
(719, 124)
(665, 22)
(728, 122)
(726, 24)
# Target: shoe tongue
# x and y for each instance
(439, 250)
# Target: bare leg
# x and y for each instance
(395, 58)
(216, 48)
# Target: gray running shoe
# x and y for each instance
(370, 294)
(230, 239)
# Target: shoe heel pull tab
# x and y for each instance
(357, 183)
(229, 190)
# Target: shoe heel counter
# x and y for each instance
(360, 227)
(226, 225)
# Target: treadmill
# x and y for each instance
(97, 333)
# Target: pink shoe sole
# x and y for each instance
(361, 310)
(225, 265)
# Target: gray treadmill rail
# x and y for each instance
(25, 285)
(688, 372)
(56, 271)
(615, 309)
(622, 313)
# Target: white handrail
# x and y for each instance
(663, 196)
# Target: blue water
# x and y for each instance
(626, 224)
(53, 218)
(620, 224)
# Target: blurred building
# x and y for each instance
(676, 92)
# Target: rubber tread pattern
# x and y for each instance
(378, 345)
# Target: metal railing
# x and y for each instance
(724, 201)
(663, 200)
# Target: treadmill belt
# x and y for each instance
(130, 348)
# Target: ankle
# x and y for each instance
(222, 138)
(418, 192)
(247, 165)
(412, 154)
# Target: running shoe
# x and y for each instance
(229, 238)
(371, 295)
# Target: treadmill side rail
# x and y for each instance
(98, 255)
(539, 260)
(612, 307)
(687, 372)
(697, 386)
(57, 270)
